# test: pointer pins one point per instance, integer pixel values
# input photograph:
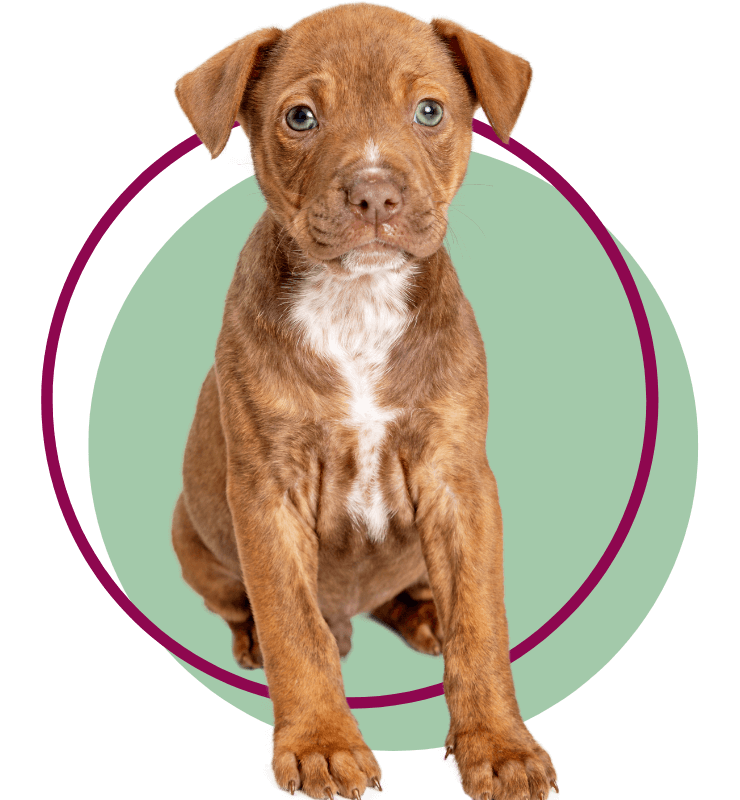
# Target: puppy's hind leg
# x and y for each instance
(413, 615)
(223, 593)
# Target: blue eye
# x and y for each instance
(429, 113)
(301, 118)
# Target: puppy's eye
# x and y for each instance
(301, 118)
(429, 112)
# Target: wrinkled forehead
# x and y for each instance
(341, 57)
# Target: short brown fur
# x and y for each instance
(262, 528)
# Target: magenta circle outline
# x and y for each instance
(375, 701)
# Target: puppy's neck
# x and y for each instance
(357, 304)
(275, 280)
(354, 310)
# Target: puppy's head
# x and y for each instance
(359, 120)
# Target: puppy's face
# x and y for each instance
(360, 128)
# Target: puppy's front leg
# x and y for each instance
(459, 520)
(318, 745)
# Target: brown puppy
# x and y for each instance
(337, 463)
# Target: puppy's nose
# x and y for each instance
(375, 200)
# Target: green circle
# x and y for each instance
(567, 404)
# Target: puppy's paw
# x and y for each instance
(415, 620)
(494, 766)
(422, 629)
(246, 645)
(324, 761)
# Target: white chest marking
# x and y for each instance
(353, 320)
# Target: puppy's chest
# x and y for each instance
(353, 322)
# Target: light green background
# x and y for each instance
(567, 414)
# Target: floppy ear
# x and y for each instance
(498, 79)
(211, 95)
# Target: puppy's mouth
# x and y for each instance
(373, 257)
(378, 246)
